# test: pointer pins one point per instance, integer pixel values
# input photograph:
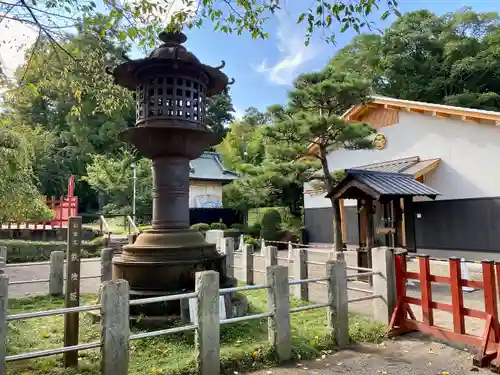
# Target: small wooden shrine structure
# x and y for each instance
(385, 208)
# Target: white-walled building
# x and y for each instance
(207, 175)
(453, 150)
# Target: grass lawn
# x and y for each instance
(244, 344)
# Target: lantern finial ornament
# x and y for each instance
(171, 87)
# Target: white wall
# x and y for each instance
(205, 194)
(469, 152)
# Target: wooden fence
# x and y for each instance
(115, 302)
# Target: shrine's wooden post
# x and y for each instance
(72, 288)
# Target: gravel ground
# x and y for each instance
(410, 355)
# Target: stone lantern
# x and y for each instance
(171, 87)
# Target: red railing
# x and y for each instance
(62, 209)
(403, 319)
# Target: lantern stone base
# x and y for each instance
(164, 262)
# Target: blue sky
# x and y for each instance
(264, 69)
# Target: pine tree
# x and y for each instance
(311, 126)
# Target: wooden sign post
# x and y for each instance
(72, 288)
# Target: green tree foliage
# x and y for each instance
(141, 20)
(45, 95)
(313, 117)
(20, 199)
(219, 112)
(78, 123)
(450, 59)
(113, 177)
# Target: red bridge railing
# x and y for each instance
(404, 320)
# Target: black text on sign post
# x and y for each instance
(72, 288)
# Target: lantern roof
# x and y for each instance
(171, 57)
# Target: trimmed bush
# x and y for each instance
(248, 240)
(271, 225)
(218, 226)
(239, 226)
(254, 230)
(202, 227)
(232, 232)
(19, 251)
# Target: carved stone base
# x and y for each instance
(163, 263)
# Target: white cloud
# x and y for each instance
(293, 53)
(15, 38)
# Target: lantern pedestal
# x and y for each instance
(163, 263)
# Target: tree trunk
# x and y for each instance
(330, 185)
(337, 225)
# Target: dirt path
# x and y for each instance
(410, 355)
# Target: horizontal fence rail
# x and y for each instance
(114, 304)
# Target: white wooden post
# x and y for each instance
(290, 250)
(4, 299)
(3, 253)
(241, 243)
(208, 332)
(107, 264)
(279, 327)
(227, 247)
(271, 255)
(338, 311)
(262, 244)
(384, 284)
(115, 330)
(56, 273)
(299, 267)
(247, 264)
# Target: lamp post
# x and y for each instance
(134, 179)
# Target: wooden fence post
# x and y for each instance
(384, 283)
(115, 330)
(338, 318)
(107, 264)
(247, 264)
(457, 298)
(279, 328)
(56, 273)
(299, 267)
(71, 320)
(4, 299)
(228, 249)
(208, 332)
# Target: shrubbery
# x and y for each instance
(271, 226)
(19, 251)
(202, 227)
(218, 226)
(249, 240)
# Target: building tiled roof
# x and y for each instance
(209, 167)
(395, 166)
(360, 182)
(398, 184)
